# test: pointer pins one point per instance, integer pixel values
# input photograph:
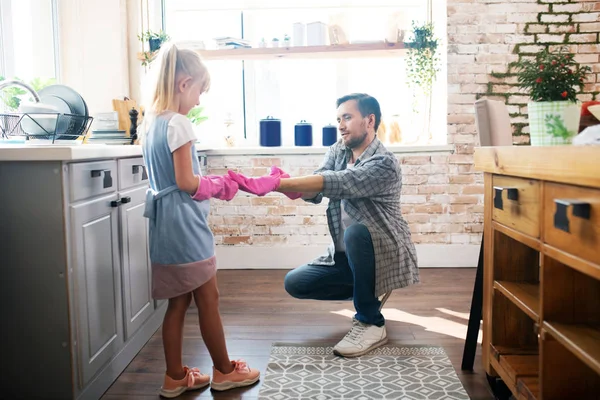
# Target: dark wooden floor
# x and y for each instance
(256, 312)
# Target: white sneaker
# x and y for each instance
(361, 339)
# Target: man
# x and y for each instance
(372, 251)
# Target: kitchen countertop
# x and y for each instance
(21, 152)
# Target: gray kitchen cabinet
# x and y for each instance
(137, 272)
(74, 275)
(95, 239)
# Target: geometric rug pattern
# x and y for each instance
(297, 371)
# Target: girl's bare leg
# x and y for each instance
(172, 333)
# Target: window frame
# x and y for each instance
(7, 68)
(248, 69)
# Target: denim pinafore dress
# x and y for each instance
(182, 246)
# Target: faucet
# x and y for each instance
(13, 82)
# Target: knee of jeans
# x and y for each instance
(355, 235)
(294, 286)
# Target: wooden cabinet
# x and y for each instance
(541, 310)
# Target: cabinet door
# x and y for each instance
(98, 301)
(137, 294)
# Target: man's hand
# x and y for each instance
(276, 171)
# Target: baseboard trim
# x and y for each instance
(256, 257)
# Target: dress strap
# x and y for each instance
(153, 196)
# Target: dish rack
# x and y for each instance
(35, 126)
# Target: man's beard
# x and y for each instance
(358, 141)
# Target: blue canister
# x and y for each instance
(270, 132)
(303, 134)
(329, 135)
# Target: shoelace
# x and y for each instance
(356, 332)
(241, 367)
(193, 374)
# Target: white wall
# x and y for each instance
(94, 51)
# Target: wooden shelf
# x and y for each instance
(520, 365)
(528, 388)
(497, 351)
(526, 296)
(583, 341)
(331, 51)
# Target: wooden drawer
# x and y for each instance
(89, 179)
(516, 204)
(132, 172)
(572, 220)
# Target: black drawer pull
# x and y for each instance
(136, 170)
(581, 209)
(125, 200)
(107, 177)
(115, 203)
(511, 194)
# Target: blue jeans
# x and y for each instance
(352, 277)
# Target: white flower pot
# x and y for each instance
(553, 123)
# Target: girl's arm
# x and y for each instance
(185, 178)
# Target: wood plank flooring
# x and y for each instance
(257, 311)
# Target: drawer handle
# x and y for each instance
(122, 200)
(511, 194)
(581, 209)
(107, 177)
(136, 170)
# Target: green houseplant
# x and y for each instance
(552, 81)
(422, 66)
(155, 41)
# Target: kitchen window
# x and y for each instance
(29, 39)
(244, 92)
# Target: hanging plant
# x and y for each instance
(155, 40)
(423, 61)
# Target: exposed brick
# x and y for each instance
(549, 18)
(591, 27)
(562, 28)
(536, 28)
(584, 38)
(543, 38)
(571, 8)
(237, 240)
(586, 17)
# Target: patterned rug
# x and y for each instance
(298, 371)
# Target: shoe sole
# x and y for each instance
(171, 394)
(363, 352)
(219, 387)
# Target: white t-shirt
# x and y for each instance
(180, 132)
(345, 222)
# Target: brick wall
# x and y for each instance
(442, 193)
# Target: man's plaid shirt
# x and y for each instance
(371, 195)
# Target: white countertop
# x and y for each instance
(21, 152)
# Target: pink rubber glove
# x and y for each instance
(219, 187)
(259, 186)
(279, 172)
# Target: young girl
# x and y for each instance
(181, 243)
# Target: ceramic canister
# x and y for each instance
(303, 134)
(329, 135)
(270, 132)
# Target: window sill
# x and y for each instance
(293, 150)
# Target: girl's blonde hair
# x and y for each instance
(171, 63)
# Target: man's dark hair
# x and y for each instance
(367, 105)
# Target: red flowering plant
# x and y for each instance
(552, 76)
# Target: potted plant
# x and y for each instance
(553, 81)
(155, 41)
(422, 66)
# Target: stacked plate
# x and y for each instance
(108, 137)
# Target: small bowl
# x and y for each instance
(595, 111)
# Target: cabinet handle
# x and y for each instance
(115, 203)
(581, 209)
(107, 177)
(136, 170)
(511, 194)
(125, 200)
